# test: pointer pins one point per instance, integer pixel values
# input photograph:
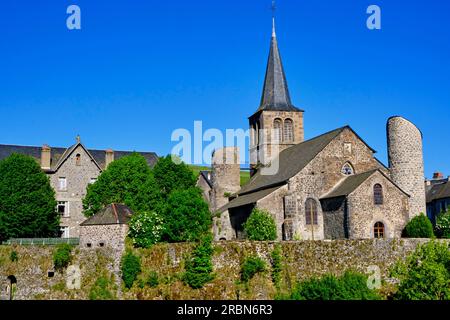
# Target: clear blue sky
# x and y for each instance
(140, 69)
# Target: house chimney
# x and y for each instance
(46, 155)
(438, 176)
(109, 157)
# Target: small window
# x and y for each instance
(62, 184)
(288, 132)
(63, 208)
(50, 274)
(311, 212)
(347, 148)
(88, 244)
(378, 194)
(347, 169)
(378, 230)
(78, 159)
(101, 244)
(65, 232)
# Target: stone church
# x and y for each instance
(328, 187)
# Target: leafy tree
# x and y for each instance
(131, 268)
(425, 275)
(146, 228)
(103, 289)
(419, 227)
(252, 266)
(27, 201)
(350, 286)
(127, 180)
(170, 176)
(199, 266)
(260, 226)
(186, 216)
(443, 225)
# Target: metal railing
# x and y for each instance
(42, 241)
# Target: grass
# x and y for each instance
(245, 175)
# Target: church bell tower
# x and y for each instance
(277, 124)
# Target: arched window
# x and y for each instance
(378, 230)
(311, 212)
(378, 194)
(347, 169)
(277, 128)
(288, 131)
(78, 159)
(257, 133)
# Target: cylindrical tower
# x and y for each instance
(406, 161)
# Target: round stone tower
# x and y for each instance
(406, 161)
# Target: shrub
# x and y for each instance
(443, 225)
(252, 266)
(62, 256)
(276, 265)
(199, 266)
(14, 256)
(425, 275)
(131, 268)
(186, 216)
(146, 229)
(102, 289)
(419, 227)
(153, 280)
(350, 286)
(260, 226)
(27, 201)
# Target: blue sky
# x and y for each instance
(137, 70)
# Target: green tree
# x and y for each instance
(419, 227)
(443, 225)
(170, 176)
(251, 266)
(127, 180)
(425, 275)
(62, 256)
(131, 268)
(260, 226)
(27, 201)
(199, 265)
(186, 216)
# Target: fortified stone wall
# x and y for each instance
(406, 161)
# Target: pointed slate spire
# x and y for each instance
(275, 95)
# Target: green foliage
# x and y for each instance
(62, 256)
(127, 180)
(27, 201)
(277, 265)
(443, 225)
(425, 275)
(153, 279)
(419, 227)
(350, 286)
(102, 289)
(146, 228)
(260, 226)
(170, 176)
(131, 268)
(199, 268)
(252, 266)
(186, 216)
(14, 257)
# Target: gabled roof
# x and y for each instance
(439, 191)
(351, 183)
(291, 161)
(111, 214)
(248, 198)
(69, 152)
(275, 96)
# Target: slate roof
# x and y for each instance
(248, 198)
(439, 191)
(291, 161)
(275, 96)
(111, 214)
(57, 154)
